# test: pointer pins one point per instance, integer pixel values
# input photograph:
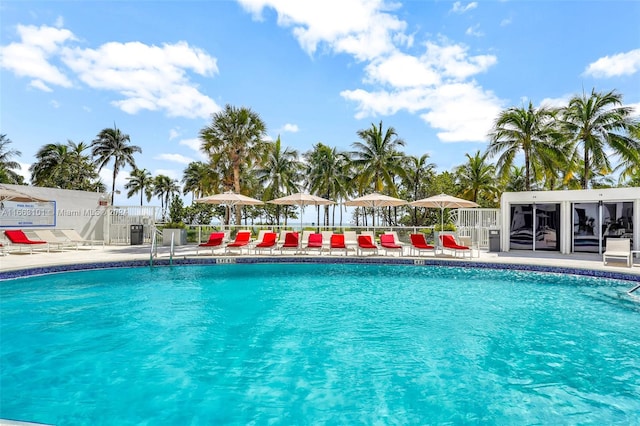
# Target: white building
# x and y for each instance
(569, 221)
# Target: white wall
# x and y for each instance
(79, 210)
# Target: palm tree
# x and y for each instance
(414, 176)
(379, 157)
(532, 131)
(327, 174)
(279, 173)
(7, 164)
(199, 178)
(235, 133)
(598, 122)
(165, 188)
(477, 178)
(112, 144)
(140, 181)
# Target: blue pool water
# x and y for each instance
(309, 344)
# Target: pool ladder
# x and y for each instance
(153, 252)
(633, 289)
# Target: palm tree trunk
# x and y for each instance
(236, 185)
(113, 184)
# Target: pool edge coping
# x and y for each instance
(44, 270)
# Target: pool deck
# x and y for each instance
(120, 253)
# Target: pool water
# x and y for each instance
(308, 343)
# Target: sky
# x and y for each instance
(439, 72)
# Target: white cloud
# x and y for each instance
(613, 66)
(176, 158)
(30, 57)
(464, 112)
(362, 28)
(40, 85)
(474, 31)
(148, 77)
(194, 144)
(291, 128)
(458, 7)
(172, 174)
(173, 133)
(505, 22)
(402, 70)
(54, 104)
(559, 102)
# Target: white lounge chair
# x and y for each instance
(53, 240)
(73, 235)
(618, 248)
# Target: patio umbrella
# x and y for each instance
(301, 199)
(229, 199)
(375, 200)
(8, 194)
(443, 201)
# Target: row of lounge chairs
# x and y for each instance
(361, 244)
(17, 240)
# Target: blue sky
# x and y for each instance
(315, 71)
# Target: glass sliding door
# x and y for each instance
(521, 230)
(547, 224)
(586, 228)
(617, 221)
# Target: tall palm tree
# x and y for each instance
(476, 178)
(165, 188)
(112, 144)
(533, 131)
(199, 178)
(279, 173)
(416, 172)
(597, 122)
(327, 174)
(140, 181)
(50, 167)
(7, 164)
(377, 153)
(236, 133)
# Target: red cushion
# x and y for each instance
(337, 241)
(364, 241)
(291, 239)
(16, 236)
(315, 240)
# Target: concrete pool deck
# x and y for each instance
(121, 253)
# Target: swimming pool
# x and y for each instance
(318, 343)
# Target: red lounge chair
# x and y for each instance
(337, 243)
(291, 241)
(269, 240)
(365, 244)
(449, 243)
(215, 241)
(419, 244)
(314, 243)
(243, 238)
(388, 243)
(19, 238)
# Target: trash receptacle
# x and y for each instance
(136, 235)
(494, 240)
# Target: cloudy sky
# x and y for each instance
(316, 71)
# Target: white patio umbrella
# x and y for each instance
(302, 200)
(230, 199)
(443, 201)
(375, 200)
